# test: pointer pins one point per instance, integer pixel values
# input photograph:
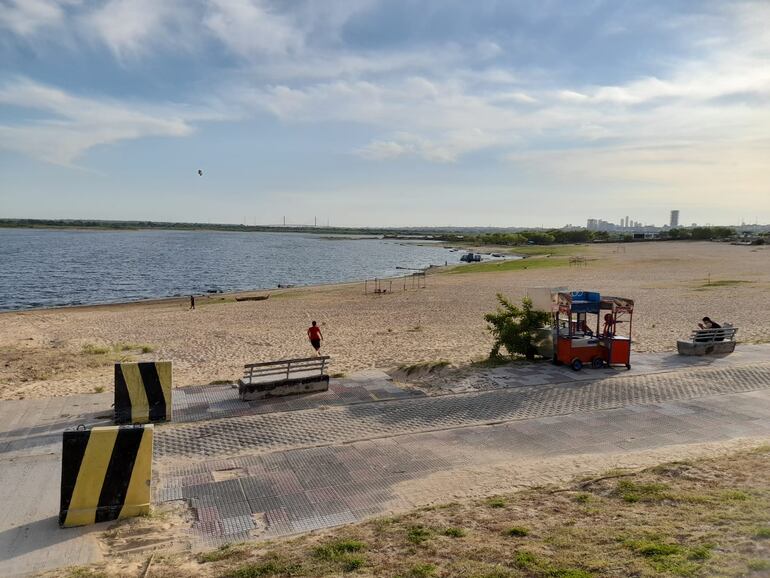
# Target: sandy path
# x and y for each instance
(41, 352)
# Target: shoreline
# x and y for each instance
(51, 352)
(224, 295)
(431, 269)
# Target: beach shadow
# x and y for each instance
(37, 535)
(36, 436)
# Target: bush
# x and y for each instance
(514, 328)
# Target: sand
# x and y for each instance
(42, 352)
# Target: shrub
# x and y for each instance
(514, 328)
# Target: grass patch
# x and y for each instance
(225, 552)
(263, 569)
(84, 572)
(668, 557)
(724, 283)
(425, 366)
(91, 349)
(586, 529)
(758, 565)
(339, 375)
(338, 549)
(421, 571)
(525, 560)
(736, 495)
(99, 389)
(568, 573)
(512, 265)
(418, 534)
(631, 491)
(221, 382)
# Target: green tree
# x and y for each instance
(514, 327)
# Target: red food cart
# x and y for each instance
(587, 330)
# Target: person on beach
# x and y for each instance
(192, 302)
(609, 325)
(314, 334)
(707, 323)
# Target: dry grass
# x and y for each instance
(701, 518)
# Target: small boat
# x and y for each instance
(253, 298)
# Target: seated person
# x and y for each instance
(586, 330)
(707, 323)
(609, 325)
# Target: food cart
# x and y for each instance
(587, 330)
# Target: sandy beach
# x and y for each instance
(60, 352)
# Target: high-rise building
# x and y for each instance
(674, 219)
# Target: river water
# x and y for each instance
(49, 268)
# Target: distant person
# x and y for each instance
(192, 302)
(314, 334)
(707, 323)
(609, 325)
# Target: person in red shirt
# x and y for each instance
(314, 334)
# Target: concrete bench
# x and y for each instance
(709, 341)
(284, 377)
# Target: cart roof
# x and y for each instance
(591, 302)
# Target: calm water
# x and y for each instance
(48, 268)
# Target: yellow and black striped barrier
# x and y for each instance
(106, 474)
(143, 392)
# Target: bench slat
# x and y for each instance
(285, 361)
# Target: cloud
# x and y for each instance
(251, 27)
(131, 28)
(27, 17)
(75, 124)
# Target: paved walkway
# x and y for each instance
(366, 447)
(293, 491)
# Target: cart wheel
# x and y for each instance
(628, 366)
(576, 364)
(597, 362)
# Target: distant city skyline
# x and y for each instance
(385, 112)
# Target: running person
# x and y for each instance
(314, 334)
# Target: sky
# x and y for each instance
(386, 112)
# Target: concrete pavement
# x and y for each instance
(367, 447)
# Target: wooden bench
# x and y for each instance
(708, 341)
(285, 377)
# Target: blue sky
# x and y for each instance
(385, 112)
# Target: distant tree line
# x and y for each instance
(560, 236)
(701, 233)
(496, 238)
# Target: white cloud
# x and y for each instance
(131, 28)
(76, 124)
(250, 27)
(27, 17)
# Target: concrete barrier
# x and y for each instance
(143, 392)
(106, 474)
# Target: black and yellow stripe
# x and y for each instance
(143, 392)
(106, 474)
